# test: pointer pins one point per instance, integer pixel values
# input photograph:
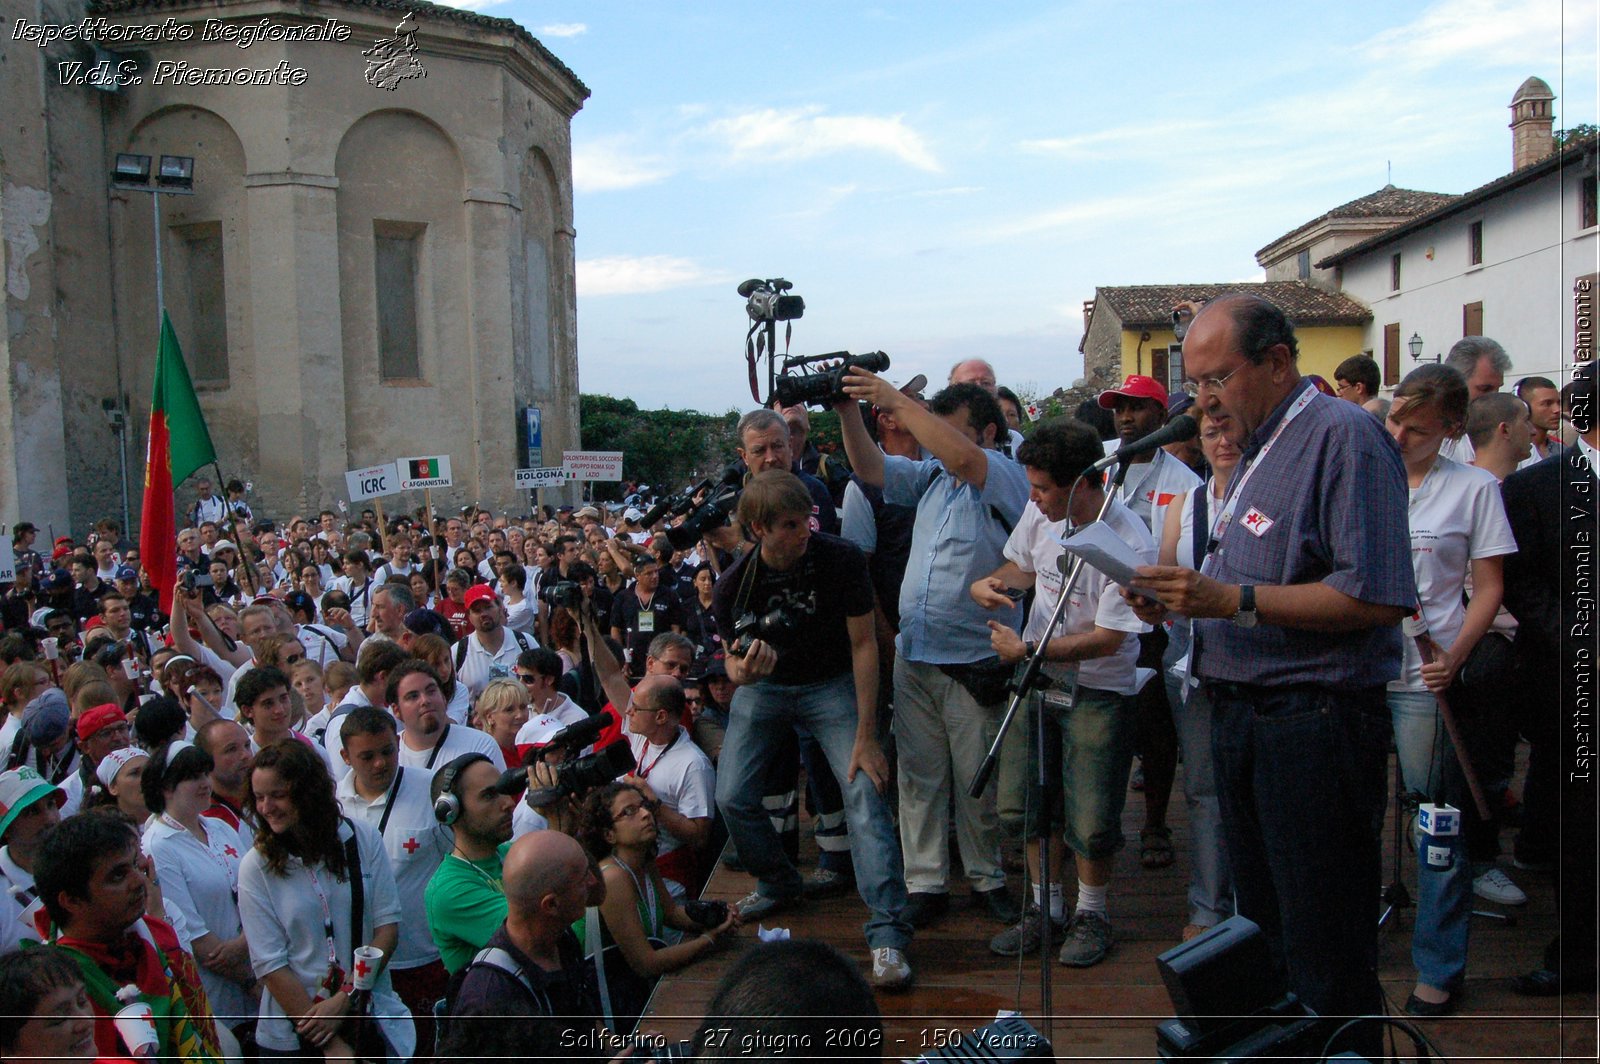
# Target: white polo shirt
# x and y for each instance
(199, 880)
(415, 842)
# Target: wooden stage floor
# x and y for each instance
(1109, 1012)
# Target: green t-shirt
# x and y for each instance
(466, 904)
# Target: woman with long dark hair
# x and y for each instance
(297, 902)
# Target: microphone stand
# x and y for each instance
(1030, 678)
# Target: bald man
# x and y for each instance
(532, 966)
(977, 371)
(675, 774)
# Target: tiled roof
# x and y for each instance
(1147, 306)
(1572, 155)
(421, 7)
(1387, 202)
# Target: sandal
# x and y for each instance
(1155, 847)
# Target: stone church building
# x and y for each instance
(376, 260)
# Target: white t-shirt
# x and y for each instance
(1458, 450)
(1096, 601)
(198, 879)
(332, 741)
(460, 707)
(322, 643)
(284, 917)
(564, 709)
(360, 597)
(8, 733)
(857, 523)
(475, 670)
(454, 740)
(1456, 517)
(525, 819)
(416, 843)
(1153, 486)
(681, 775)
(521, 615)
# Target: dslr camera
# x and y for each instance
(777, 626)
(566, 594)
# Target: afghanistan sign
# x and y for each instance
(593, 465)
(426, 472)
(529, 479)
(372, 482)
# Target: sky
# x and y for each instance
(949, 180)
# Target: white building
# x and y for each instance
(1515, 260)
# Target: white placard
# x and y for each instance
(8, 559)
(529, 479)
(424, 471)
(593, 465)
(371, 482)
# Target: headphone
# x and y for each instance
(446, 802)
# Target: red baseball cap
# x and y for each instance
(1136, 386)
(478, 593)
(99, 717)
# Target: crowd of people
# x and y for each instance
(454, 785)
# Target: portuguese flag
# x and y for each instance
(179, 445)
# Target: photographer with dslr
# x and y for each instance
(796, 614)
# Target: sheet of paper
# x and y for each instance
(1103, 549)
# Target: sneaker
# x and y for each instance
(756, 905)
(889, 969)
(1024, 937)
(1089, 940)
(1494, 885)
(824, 883)
(998, 904)
(923, 910)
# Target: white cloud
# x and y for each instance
(1117, 142)
(772, 135)
(563, 29)
(953, 190)
(615, 275)
(1083, 213)
(1500, 32)
(608, 164)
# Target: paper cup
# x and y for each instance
(365, 972)
(136, 1025)
(51, 647)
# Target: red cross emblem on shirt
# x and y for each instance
(230, 851)
(411, 845)
(362, 968)
(1254, 519)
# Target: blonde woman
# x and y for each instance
(501, 712)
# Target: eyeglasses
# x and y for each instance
(528, 678)
(627, 813)
(1193, 388)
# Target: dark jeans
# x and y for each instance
(1301, 774)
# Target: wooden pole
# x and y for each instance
(383, 526)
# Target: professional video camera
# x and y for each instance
(670, 506)
(824, 387)
(578, 776)
(777, 626)
(765, 300)
(713, 513)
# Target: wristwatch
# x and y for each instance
(1246, 617)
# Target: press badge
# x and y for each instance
(1062, 694)
(647, 621)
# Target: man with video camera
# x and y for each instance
(949, 684)
(796, 614)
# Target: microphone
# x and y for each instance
(1183, 427)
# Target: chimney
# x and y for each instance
(1531, 122)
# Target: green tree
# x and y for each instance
(1563, 137)
(666, 449)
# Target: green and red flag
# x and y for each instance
(179, 445)
(424, 469)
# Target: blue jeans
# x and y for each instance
(1301, 774)
(762, 718)
(1428, 766)
(1210, 878)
